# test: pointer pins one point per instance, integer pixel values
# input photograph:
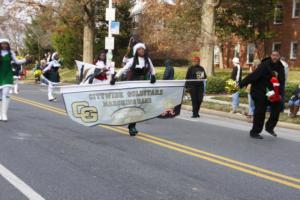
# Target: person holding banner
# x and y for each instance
(139, 67)
(196, 88)
(51, 75)
(6, 75)
(100, 72)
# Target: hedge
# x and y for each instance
(289, 89)
(216, 84)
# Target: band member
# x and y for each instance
(52, 75)
(6, 75)
(131, 43)
(260, 81)
(100, 72)
(17, 69)
(139, 67)
(196, 88)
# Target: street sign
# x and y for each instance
(109, 43)
(115, 28)
(110, 14)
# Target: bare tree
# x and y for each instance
(60, 8)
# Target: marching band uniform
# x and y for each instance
(16, 73)
(100, 73)
(137, 68)
(6, 76)
(52, 75)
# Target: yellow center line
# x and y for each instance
(213, 158)
(218, 157)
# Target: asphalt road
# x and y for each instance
(45, 155)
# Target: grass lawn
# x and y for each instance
(294, 76)
(69, 75)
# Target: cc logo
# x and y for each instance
(83, 111)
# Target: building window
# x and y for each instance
(250, 53)
(276, 46)
(294, 50)
(278, 14)
(237, 49)
(296, 8)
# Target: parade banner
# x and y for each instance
(86, 66)
(121, 104)
(87, 69)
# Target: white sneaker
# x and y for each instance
(4, 118)
(233, 112)
(52, 99)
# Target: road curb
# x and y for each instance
(239, 117)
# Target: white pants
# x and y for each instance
(5, 102)
(15, 89)
(50, 91)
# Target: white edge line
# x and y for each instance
(25, 189)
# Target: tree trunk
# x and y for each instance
(208, 36)
(221, 64)
(88, 34)
(228, 54)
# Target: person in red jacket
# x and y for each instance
(274, 95)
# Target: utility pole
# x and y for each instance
(110, 40)
(109, 54)
(208, 34)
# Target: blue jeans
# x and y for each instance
(235, 101)
(294, 103)
(251, 105)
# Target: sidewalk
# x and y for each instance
(212, 100)
(235, 116)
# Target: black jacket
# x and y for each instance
(234, 74)
(195, 72)
(169, 73)
(260, 78)
(296, 95)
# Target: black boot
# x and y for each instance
(132, 130)
(256, 136)
(271, 132)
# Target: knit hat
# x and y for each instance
(138, 46)
(236, 61)
(53, 55)
(196, 59)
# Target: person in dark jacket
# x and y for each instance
(169, 71)
(260, 85)
(196, 88)
(236, 75)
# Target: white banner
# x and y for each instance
(121, 104)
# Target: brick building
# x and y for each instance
(286, 25)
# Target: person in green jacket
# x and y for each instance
(6, 75)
